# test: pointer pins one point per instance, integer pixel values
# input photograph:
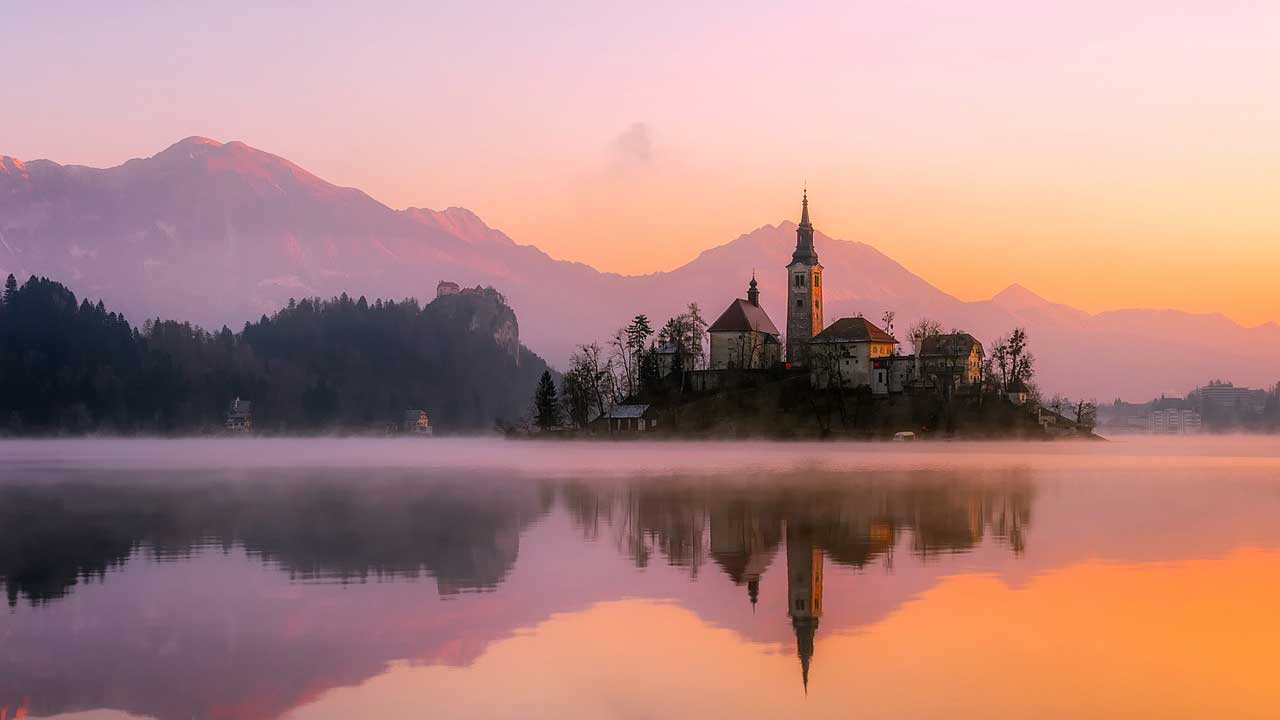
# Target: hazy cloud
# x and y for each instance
(634, 146)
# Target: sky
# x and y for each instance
(1104, 154)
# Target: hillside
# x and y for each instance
(224, 233)
(342, 365)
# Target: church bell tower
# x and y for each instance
(804, 295)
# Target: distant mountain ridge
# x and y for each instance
(221, 233)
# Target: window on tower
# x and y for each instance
(799, 303)
(816, 280)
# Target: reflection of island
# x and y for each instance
(850, 523)
(226, 630)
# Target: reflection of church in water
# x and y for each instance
(804, 593)
(744, 543)
(850, 527)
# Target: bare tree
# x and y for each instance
(622, 360)
(596, 371)
(922, 330)
(886, 320)
(1087, 414)
(1012, 360)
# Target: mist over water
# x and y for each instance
(266, 578)
(633, 458)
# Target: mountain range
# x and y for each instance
(221, 233)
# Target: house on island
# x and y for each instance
(633, 418)
(1018, 392)
(239, 416)
(669, 356)
(416, 422)
(843, 354)
(892, 373)
(744, 337)
(952, 357)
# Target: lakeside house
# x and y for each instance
(416, 422)
(635, 418)
(239, 416)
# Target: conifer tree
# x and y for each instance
(546, 403)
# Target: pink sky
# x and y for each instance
(1105, 154)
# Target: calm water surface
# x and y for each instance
(479, 579)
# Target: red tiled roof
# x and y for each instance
(855, 329)
(742, 316)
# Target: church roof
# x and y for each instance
(854, 329)
(742, 316)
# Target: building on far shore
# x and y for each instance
(744, 336)
(446, 287)
(1174, 421)
(239, 416)
(843, 353)
(416, 422)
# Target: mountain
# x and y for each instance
(223, 233)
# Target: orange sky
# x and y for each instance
(1104, 154)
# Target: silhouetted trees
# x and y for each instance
(314, 365)
(545, 402)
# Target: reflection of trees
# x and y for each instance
(855, 521)
(465, 534)
(850, 520)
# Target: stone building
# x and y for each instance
(955, 356)
(804, 294)
(744, 336)
(844, 353)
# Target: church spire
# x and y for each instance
(804, 236)
(753, 293)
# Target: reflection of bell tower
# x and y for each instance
(804, 592)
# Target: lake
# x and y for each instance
(489, 579)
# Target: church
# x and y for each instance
(744, 337)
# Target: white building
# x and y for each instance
(843, 353)
(744, 336)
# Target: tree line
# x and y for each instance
(631, 365)
(69, 366)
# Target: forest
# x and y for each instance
(341, 364)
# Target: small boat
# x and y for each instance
(904, 437)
